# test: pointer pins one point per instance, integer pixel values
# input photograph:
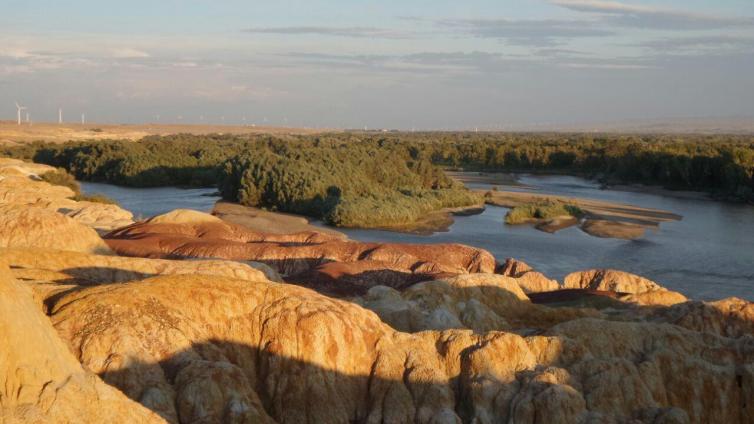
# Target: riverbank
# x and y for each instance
(260, 220)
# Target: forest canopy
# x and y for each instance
(382, 179)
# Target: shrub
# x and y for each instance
(61, 177)
(542, 210)
(96, 198)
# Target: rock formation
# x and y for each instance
(42, 382)
(241, 351)
(417, 333)
(293, 255)
(527, 278)
(21, 185)
(634, 288)
(50, 272)
(480, 302)
(23, 226)
(260, 220)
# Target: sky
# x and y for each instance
(424, 64)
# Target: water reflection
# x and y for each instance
(146, 202)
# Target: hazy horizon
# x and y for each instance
(427, 65)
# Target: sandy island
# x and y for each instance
(601, 219)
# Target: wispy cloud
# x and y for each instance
(540, 33)
(129, 53)
(711, 44)
(355, 32)
(639, 16)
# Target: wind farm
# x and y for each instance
(14, 132)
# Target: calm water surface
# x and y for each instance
(707, 255)
(146, 202)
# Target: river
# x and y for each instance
(709, 254)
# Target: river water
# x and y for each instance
(709, 254)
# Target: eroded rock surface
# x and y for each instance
(297, 255)
(21, 185)
(42, 382)
(421, 333)
(480, 302)
(527, 278)
(50, 272)
(32, 227)
(634, 288)
(240, 351)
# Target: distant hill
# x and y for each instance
(11, 132)
(733, 125)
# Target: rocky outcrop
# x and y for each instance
(730, 317)
(21, 185)
(420, 333)
(240, 351)
(299, 256)
(527, 278)
(635, 288)
(480, 302)
(42, 382)
(356, 278)
(50, 272)
(260, 220)
(31, 227)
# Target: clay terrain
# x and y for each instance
(189, 317)
(12, 133)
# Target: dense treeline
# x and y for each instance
(722, 165)
(345, 182)
(380, 179)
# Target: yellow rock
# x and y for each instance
(42, 382)
(30, 227)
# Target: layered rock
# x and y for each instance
(197, 235)
(240, 351)
(260, 220)
(42, 382)
(426, 333)
(51, 271)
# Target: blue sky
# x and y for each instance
(399, 64)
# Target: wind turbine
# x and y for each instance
(83, 118)
(60, 116)
(19, 109)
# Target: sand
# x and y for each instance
(264, 221)
(601, 218)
